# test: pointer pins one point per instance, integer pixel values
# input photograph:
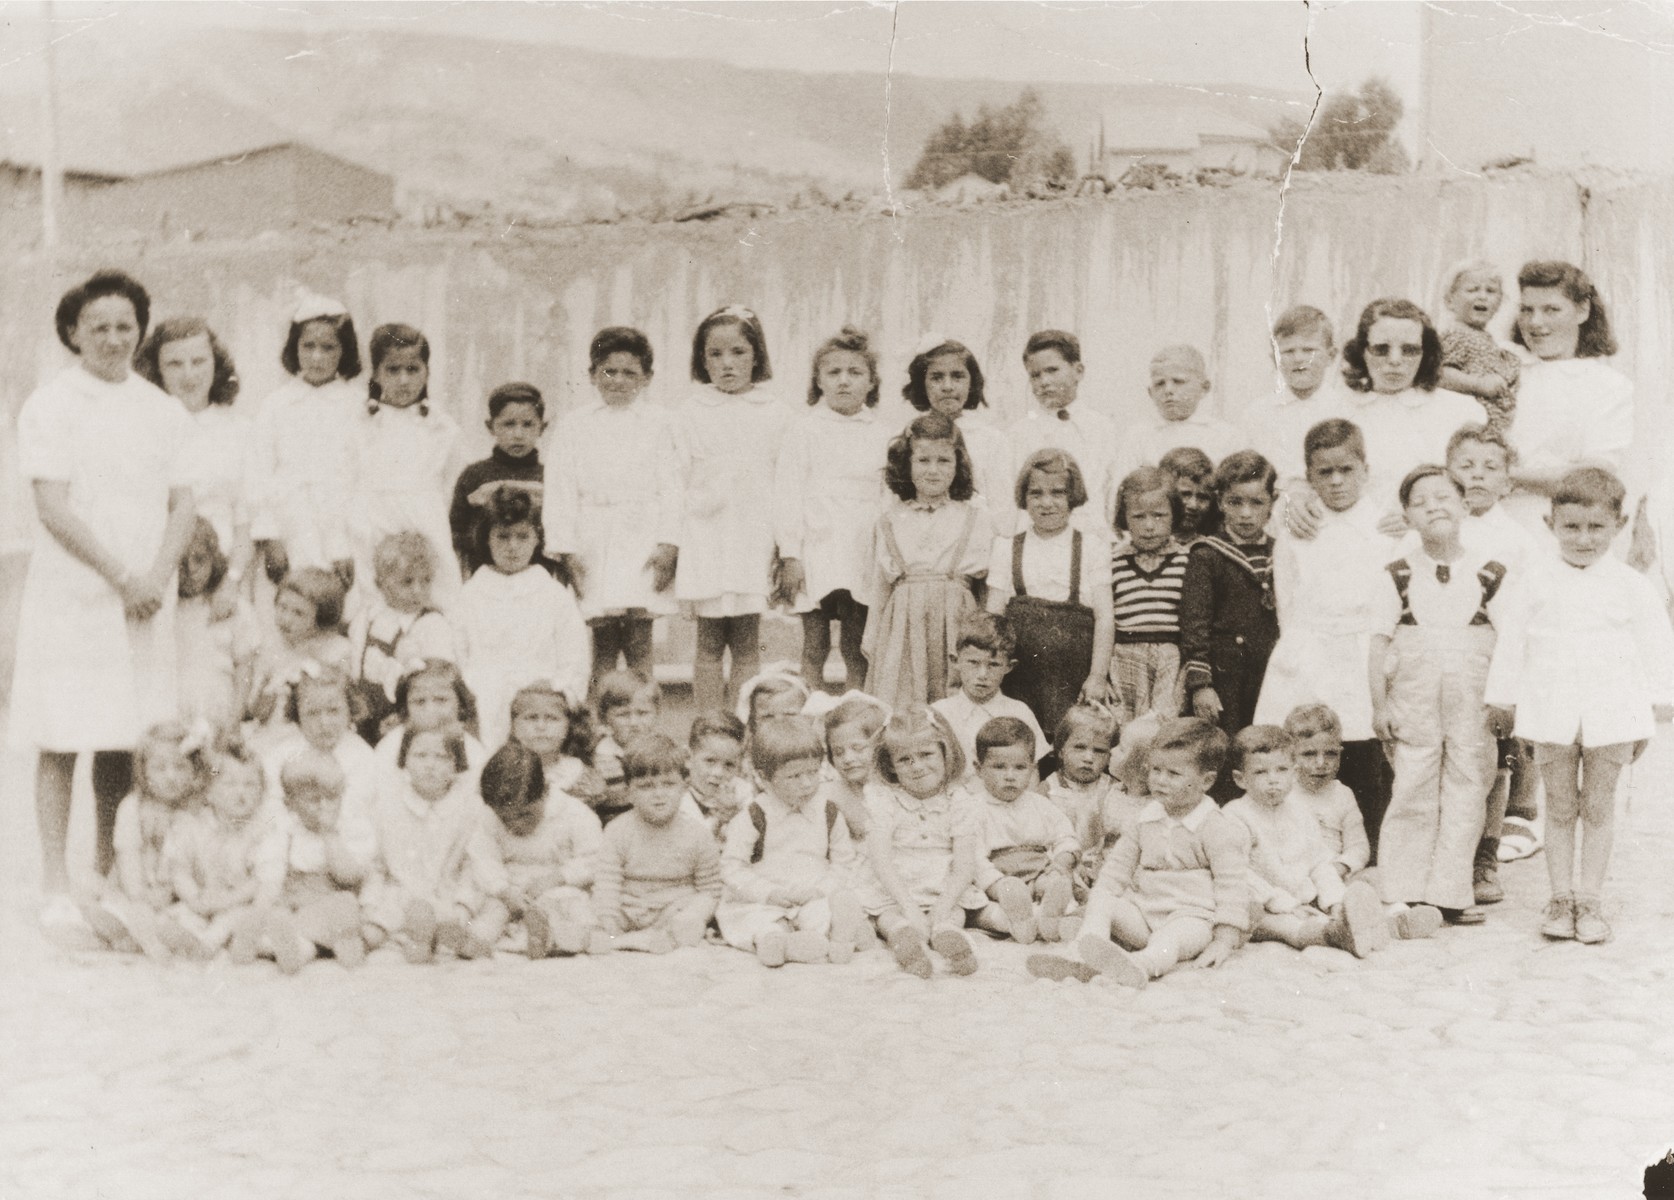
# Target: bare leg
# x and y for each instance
(113, 779)
(743, 635)
(1598, 820)
(53, 773)
(708, 677)
(816, 648)
(1563, 808)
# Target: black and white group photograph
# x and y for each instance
(836, 599)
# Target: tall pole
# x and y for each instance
(52, 177)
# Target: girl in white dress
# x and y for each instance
(95, 659)
(185, 358)
(830, 492)
(726, 440)
(406, 457)
(516, 622)
(612, 503)
(945, 377)
(302, 456)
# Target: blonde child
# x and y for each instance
(398, 626)
(983, 656)
(929, 548)
(1192, 478)
(303, 446)
(129, 910)
(547, 840)
(406, 456)
(1176, 888)
(1097, 806)
(924, 844)
(1029, 848)
(1179, 385)
(431, 695)
(726, 439)
(1472, 361)
(1429, 666)
(318, 711)
(658, 873)
(438, 879)
(829, 494)
(1052, 359)
(715, 792)
(1147, 573)
(329, 852)
(1052, 583)
(516, 622)
(776, 692)
(1326, 590)
(1317, 755)
(1308, 392)
(516, 421)
(628, 704)
(1300, 896)
(307, 613)
(215, 635)
(852, 730)
(787, 857)
(227, 858)
(613, 503)
(560, 732)
(1585, 670)
(1228, 618)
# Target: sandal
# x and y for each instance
(1518, 840)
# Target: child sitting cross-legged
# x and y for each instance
(1029, 846)
(1293, 874)
(329, 850)
(788, 856)
(1176, 887)
(658, 874)
(923, 845)
(547, 840)
(982, 660)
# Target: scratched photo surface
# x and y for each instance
(510, 179)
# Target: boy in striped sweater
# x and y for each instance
(1147, 572)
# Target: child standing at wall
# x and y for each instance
(658, 873)
(726, 440)
(830, 492)
(406, 456)
(1326, 590)
(1585, 666)
(516, 421)
(1179, 384)
(928, 548)
(1228, 619)
(1053, 585)
(1052, 358)
(1429, 664)
(1029, 848)
(985, 656)
(924, 846)
(787, 857)
(1472, 361)
(1147, 574)
(303, 446)
(613, 502)
(1175, 889)
(517, 623)
(1192, 478)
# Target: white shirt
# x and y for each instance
(303, 469)
(829, 492)
(1046, 568)
(1450, 605)
(967, 718)
(1278, 423)
(1143, 444)
(1407, 430)
(1088, 435)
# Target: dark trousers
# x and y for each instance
(1366, 773)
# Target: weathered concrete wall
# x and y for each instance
(1128, 274)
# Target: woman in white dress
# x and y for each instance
(1573, 408)
(185, 358)
(102, 449)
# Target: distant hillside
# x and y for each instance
(539, 129)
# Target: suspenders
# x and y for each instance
(1017, 588)
(758, 818)
(1488, 579)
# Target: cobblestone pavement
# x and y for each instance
(1483, 1063)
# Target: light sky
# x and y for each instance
(1575, 81)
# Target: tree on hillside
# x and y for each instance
(1354, 131)
(1006, 145)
